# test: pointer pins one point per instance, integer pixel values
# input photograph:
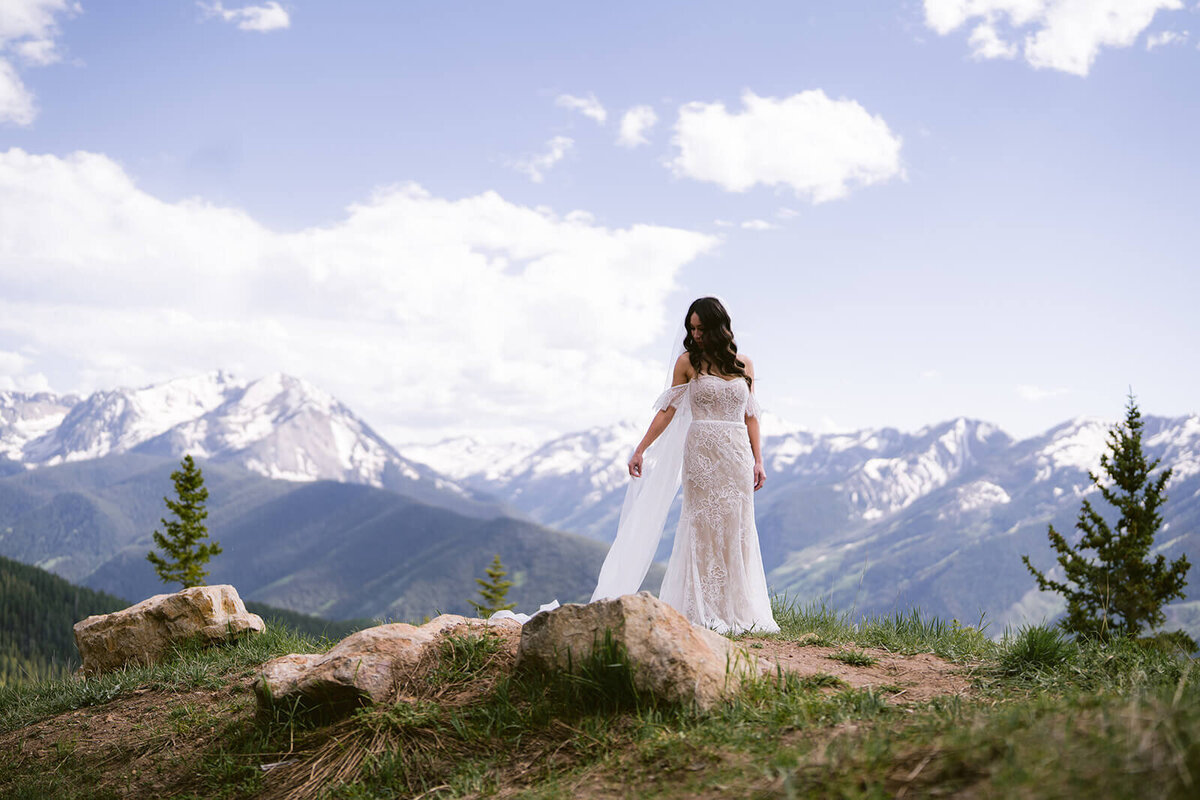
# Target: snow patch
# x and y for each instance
(981, 494)
(1078, 446)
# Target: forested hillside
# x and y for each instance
(37, 612)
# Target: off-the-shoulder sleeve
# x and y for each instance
(671, 398)
(753, 409)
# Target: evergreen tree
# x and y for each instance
(1119, 592)
(185, 555)
(493, 590)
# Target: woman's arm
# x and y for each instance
(681, 375)
(760, 473)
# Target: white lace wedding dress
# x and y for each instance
(715, 574)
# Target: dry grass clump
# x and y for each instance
(415, 734)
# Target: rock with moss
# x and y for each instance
(146, 632)
(360, 670)
(669, 658)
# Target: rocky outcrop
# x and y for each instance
(670, 659)
(144, 633)
(361, 669)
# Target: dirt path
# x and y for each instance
(905, 679)
(144, 744)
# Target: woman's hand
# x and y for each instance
(760, 476)
(635, 465)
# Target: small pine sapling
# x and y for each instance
(184, 553)
(1121, 591)
(493, 590)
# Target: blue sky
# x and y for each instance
(915, 210)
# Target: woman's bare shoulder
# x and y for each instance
(683, 371)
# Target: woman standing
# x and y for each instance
(715, 575)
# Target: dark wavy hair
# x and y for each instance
(717, 350)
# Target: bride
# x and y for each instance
(706, 436)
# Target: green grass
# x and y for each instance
(855, 658)
(1046, 717)
(906, 632)
(190, 667)
(1035, 648)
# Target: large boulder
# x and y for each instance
(361, 669)
(144, 633)
(671, 659)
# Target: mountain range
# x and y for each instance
(875, 520)
(320, 514)
(316, 512)
(277, 426)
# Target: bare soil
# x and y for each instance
(144, 744)
(919, 677)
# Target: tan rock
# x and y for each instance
(145, 632)
(361, 669)
(671, 659)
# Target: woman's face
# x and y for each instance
(696, 328)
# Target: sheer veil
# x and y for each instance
(647, 500)
(647, 503)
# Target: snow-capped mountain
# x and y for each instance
(118, 420)
(466, 456)
(278, 426)
(26, 417)
(572, 483)
(577, 482)
(882, 471)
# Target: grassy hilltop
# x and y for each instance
(1032, 716)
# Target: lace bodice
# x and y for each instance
(713, 398)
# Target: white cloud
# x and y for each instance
(536, 166)
(1035, 393)
(1065, 35)
(985, 42)
(267, 17)
(817, 146)
(1156, 40)
(16, 102)
(28, 30)
(38, 52)
(758, 225)
(634, 125)
(787, 213)
(11, 363)
(13, 377)
(422, 313)
(588, 106)
(32, 25)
